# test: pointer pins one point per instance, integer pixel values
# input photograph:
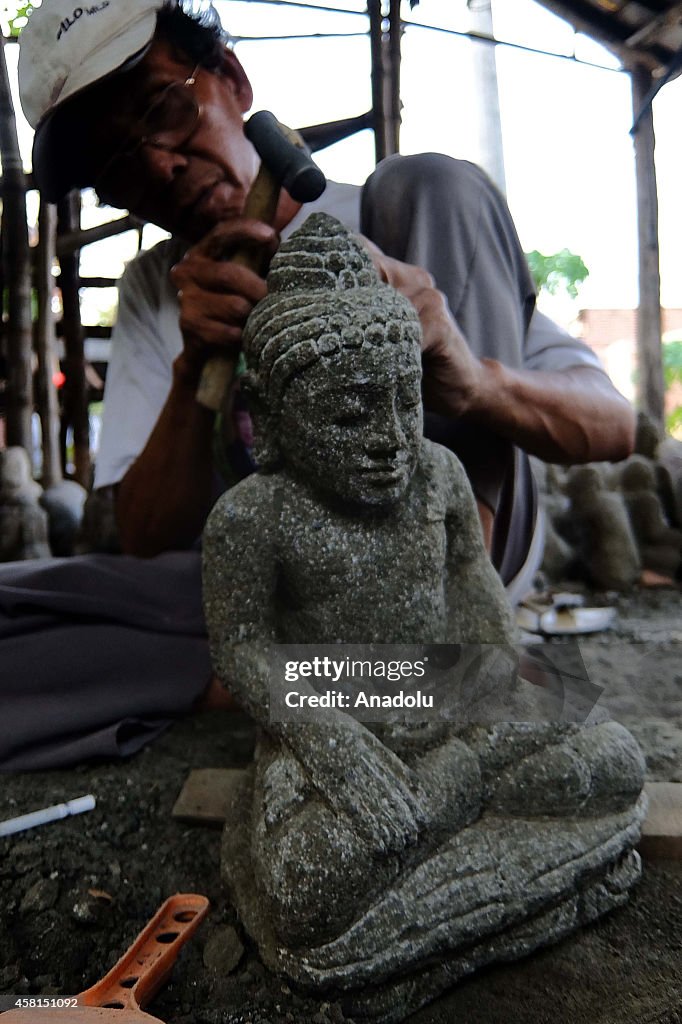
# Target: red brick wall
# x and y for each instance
(611, 333)
(601, 327)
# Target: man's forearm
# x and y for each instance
(164, 498)
(571, 416)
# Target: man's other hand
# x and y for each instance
(452, 374)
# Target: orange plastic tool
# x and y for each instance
(135, 979)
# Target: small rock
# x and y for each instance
(8, 975)
(45, 984)
(86, 910)
(223, 950)
(41, 896)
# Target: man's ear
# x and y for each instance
(233, 70)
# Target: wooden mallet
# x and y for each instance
(285, 163)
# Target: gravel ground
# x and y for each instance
(74, 894)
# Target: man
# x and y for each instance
(146, 103)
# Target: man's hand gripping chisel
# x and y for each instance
(285, 163)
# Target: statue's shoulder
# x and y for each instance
(441, 468)
(247, 508)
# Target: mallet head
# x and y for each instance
(285, 155)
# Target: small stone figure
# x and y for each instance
(659, 544)
(384, 863)
(23, 523)
(670, 456)
(648, 445)
(98, 530)
(647, 437)
(558, 555)
(64, 503)
(606, 549)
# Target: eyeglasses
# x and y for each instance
(167, 124)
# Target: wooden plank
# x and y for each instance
(205, 796)
(662, 830)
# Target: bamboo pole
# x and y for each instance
(46, 392)
(17, 272)
(394, 58)
(384, 34)
(650, 385)
(71, 241)
(75, 387)
(374, 10)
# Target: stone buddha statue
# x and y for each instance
(385, 862)
(23, 523)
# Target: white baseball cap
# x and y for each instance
(64, 49)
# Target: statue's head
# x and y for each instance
(15, 474)
(583, 482)
(647, 436)
(638, 474)
(334, 369)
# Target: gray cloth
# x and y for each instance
(460, 229)
(98, 653)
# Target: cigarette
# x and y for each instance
(55, 813)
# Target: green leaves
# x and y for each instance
(562, 271)
(672, 374)
(672, 362)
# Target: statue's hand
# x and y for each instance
(360, 778)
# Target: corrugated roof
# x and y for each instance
(643, 33)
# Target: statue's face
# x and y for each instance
(351, 425)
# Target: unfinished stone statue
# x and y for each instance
(64, 503)
(98, 529)
(382, 864)
(670, 460)
(601, 534)
(659, 544)
(558, 555)
(649, 446)
(647, 436)
(23, 523)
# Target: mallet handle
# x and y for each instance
(261, 204)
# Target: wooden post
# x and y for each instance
(487, 97)
(384, 32)
(17, 272)
(46, 392)
(650, 385)
(75, 388)
(394, 58)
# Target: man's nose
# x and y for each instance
(163, 164)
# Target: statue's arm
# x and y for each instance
(239, 583)
(354, 773)
(475, 595)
